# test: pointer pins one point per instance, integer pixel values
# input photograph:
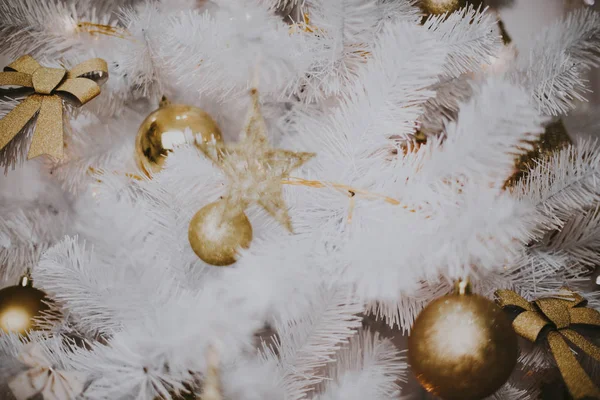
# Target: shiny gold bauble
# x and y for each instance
(437, 7)
(554, 139)
(164, 129)
(462, 346)
(19, 305)
(217, 239)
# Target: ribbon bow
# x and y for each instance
(50, 87)
(42, 378)
(557, 314)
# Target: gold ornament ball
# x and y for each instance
(554, 139)
(19, 305)
(217, 239)
(437, 7)
(164, 129)
(462, 346)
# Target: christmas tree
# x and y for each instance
(261, 199)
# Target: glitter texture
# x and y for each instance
(254, 169)
(51, 87)
(557, 314)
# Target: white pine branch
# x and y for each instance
(63, 272)
(579, 238)
(306, 345)
(449, 94)
(577, 34)
(450, 185)
(384, 101)
(565, 183)
(56, 349)
(367, 368)
(553, 68)
(11, 345)
(95, 147)
(211, 54)
(34, 215)
(562, 257)
(25, 235)
(343, 33)
(510, 392)
(46, 29)
(402, 311)
(535, 357)
(555, 80)
(139, 56)
(164, 344)
(119, 371)
(537, 272)
(496, 125)
(96, 289)
(471, 37)
(256, 379)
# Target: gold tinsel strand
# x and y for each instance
(94, 29)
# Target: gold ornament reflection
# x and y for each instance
(441, 6)
(169, 126)
(216, 237)
(20, 305)
(554, 138)
(462, 346)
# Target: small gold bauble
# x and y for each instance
(19, 305)
(216, 239)
(441, 6)
(554, 139)
(164, 129)
(437, 7)
(462, 346)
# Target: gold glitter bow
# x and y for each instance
(555, 315)
(47, 89)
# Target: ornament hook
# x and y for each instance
(26, 281)
(164, 101)
(462, 287)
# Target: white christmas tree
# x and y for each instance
(377, 170)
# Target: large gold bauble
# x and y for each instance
(164, 129)
(217, 239)
(462, 346)
(20, 305)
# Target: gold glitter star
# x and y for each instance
(254, 169)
